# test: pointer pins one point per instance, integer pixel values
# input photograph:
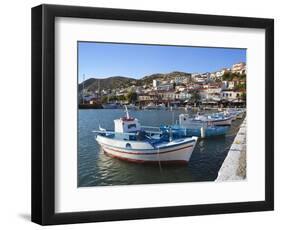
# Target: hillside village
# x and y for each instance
(225, 87)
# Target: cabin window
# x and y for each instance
(132, 126)
(128, 146)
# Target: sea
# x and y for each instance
(97, 169)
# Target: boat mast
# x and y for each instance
(127, 112)
(99, 94)
(83, 96)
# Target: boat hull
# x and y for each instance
(213, 131)
(220, 122)
(179, 151)
(240, 115)
(211, 120)
(111, 106)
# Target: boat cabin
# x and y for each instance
(124, 125)
(127, 124)
(183, 119)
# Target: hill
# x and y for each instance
(165, 77)
(106, 83)
(123, 82)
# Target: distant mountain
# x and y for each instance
(123, 82)
(106, 83)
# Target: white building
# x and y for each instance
(155, 83)
(230, 95)
(224, 84)
(180, 88)
(239, 68)
(200, 79)
(220, 73)
(214, 90)
(168, 95)
(213, 76)
(165, 86)
(184, 95)
(210, 94)
(195, 75)
(206, 75)
(231, 85)
(182, 79)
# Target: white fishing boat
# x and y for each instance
(214, 119)
(235, 113)
(161, 106)
(150, 106)
(186, 128)
(188, 108)
(130, 142)
(219, 119)
(240, 114)
(132, 107)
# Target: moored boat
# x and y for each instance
(131, 143)
(132, 107)
(150, 106)
(111, 106)
(235, 113)
(214, 119)
(203, 132)
(161, 106)
(188, 128)
(219, 119)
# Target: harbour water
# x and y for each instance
(97, 169)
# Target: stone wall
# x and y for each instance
(234, 166)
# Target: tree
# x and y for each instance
(113, 98)
(227, 76)
(244, 96)
(243, 76)
(132, 97)
(195, 97)
(104, 99)
(240, 86)
(121, 98)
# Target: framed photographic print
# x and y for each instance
(142, 114)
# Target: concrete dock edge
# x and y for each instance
(234, 165)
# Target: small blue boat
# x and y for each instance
(189, 127)
(203, 132)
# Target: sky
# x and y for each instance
(102, 60)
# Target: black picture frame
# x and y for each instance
(43, 114)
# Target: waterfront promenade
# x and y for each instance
(234, 165)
